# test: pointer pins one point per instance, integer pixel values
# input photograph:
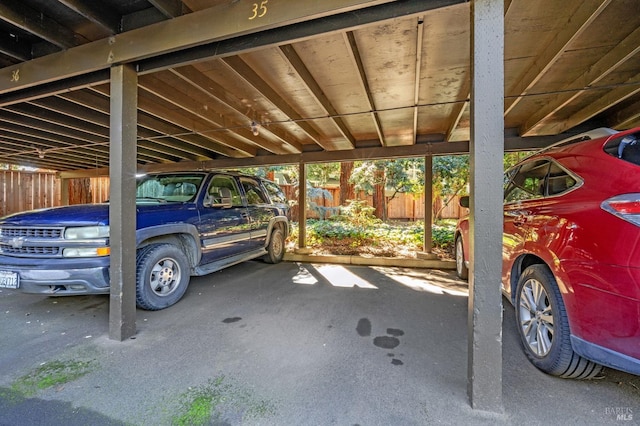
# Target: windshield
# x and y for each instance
(167, 188)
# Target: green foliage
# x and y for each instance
(358, 213)
(404, 175)
(363, 176)
(209, 403)
(320, 231)
(513, 158)
(450, 174)
(442, 235)
(51, 374)
(365, 232)
(322, 173)
(289, 171)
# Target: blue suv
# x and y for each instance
(188, 223)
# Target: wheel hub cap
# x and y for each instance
(166, 276)
(536, 318)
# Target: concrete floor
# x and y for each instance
(287, 344)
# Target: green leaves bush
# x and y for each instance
(356, 227)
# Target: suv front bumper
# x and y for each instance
(59, 277)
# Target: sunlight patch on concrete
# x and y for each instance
(433, 282)
(339, 276)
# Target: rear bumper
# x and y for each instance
(60, 277)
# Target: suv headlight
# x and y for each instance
(86, 252)
(86, 232)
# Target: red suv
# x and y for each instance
(571, 253)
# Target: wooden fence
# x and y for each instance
(401, 207)
(20, 191)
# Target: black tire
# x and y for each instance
(162, 276)
(543, 326)
(275, 248)
(461, 267)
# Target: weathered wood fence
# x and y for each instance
(400, 207)
(20, 191)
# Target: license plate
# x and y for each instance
(9, 279)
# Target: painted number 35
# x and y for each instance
(259, 10)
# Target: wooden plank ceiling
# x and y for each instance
(402, 81)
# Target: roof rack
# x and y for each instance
(591, 134)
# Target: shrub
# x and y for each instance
(338, 233)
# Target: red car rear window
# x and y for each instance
(626, 148)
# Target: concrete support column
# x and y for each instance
(122, 207)
(302, 208)
(487, 152)
(428, 210)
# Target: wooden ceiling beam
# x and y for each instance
(27, 146)
(202, 103)
(209, 25)
(202, 121)
(95, 123)
(608, 99)
(102, 16)
(576, 24)
(170, 8)
(293, 59)
(16, 49)
(149, 128)
(244, 71)
(626, 118)
(228, 100)
(21, 16)
(356, 58)
(572, 91)
(418, 73)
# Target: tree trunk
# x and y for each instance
(347, 191)
(379, 199)
(80, 191)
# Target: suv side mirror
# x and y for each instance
(464, 201)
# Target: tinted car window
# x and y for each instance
(216, 193)
(168, 187)
(253, 192)
(559, 180)
(626, 148)
(528, 182)
(276, 194)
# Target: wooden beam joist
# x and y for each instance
(197, 28)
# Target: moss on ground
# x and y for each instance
(50, 374)
(217, 401)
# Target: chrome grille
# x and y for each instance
(24, 241)
(27, 232)
(29, 251)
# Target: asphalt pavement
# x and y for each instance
(286, 344)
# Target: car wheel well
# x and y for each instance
(184, 242)
(519, 266)
(282, 226)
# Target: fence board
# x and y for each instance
(21, 191)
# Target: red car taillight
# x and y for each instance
(625, 206)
